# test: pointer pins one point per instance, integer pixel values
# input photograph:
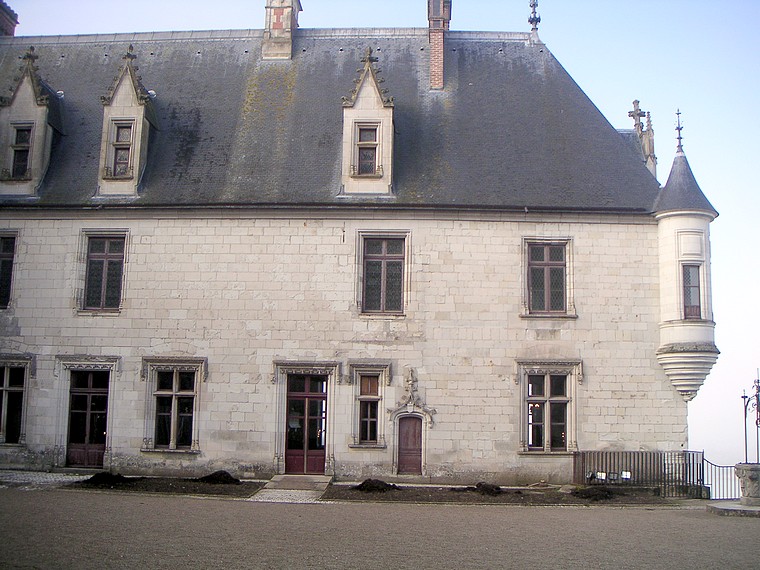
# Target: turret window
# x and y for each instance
(692, 307)
(121, 152)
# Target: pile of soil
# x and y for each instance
(375, 486)
(219, 483)
(486, 493)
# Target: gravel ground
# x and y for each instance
(61, 528)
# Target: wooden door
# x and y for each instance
(306, 427)
(410, 445)
(88, 410)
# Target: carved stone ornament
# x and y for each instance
(749, 480)
(371, 72)
(569, 367)
(87, 362)
(172, 363)
(411, 402)
(282, 369)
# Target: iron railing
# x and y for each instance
(674, 473)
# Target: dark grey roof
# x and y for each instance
(510, 130)
(681, 192)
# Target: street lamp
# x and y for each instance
(752, 403)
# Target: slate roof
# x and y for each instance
(511, 129)
(681, 191)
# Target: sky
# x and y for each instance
(699, 56)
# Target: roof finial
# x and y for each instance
(679, 128)
(534, 19)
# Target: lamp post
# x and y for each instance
(752, 403)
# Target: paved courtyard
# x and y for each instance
(48, 527)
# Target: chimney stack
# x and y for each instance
(8, 20)
(281, 20)
(439, 16)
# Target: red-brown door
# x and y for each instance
(306, 427)
(410, 445)
(88, 408)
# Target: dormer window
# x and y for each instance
(367, 135)
(128, 117)
(21, 149)
(30, 119)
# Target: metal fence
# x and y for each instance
(674, 473)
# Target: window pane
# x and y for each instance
(536, 385)
(79, 402)
(98, 428)
(80, 380)
(113, 284)
(163, 420)
(557, 284)
(98, 403)
(7, 245)
(317, 385)
(13, 416)
(20, 162)
(394, 286)
(317, 408)
(296, 383)
(15, 377)
(373, 247)
(94, 282)
(184, 422)
(536, 252)
(78, 427)
(295, 433)
(395, 246)
(536, 425)
(369, 385)
(373, 273)
(165, 380)
(367, 135)
(116, 246)
(537, 289)
(100, 380)
(6, 279)
(558, 412)
(123, 134)
(186, 381)
(367, 160)
(558, 385)
(316, 434)
(23, 136)
(368, 421)
(97, 246)
(557, 253)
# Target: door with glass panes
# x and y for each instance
(306, 428)
(88, 410)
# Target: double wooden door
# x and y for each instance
(306, 429)
(88, 414)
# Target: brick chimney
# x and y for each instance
(439, 16)
(8, 20)
(281, 20)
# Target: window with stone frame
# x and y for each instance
(383, 274)
(548, 414)
(21, 148)
(692, 305)
(369, 380)
(7, 252)
(105, 269)
(175, 403)
(12, 382)
(547, 278)
(547, 402)
(120, 154)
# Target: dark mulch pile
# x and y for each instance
(375, 486)
(486, 493)
(219, 483)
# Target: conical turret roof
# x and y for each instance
(681, 192)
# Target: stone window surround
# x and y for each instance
(148, 375)
(114, 125)
(82, 257)
(27, 363)
(357, 369)
(571, 368)
(570, 310)
(361, 236)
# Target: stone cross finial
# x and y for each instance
(534, 19)
(637, 114)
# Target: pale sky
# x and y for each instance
(702, 56)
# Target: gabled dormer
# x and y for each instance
(367, 134)
(128, 116)
(29, 119)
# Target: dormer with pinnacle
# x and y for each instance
(128, 116)
(29, 120)
(367, 134)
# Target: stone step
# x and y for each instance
(299, 482)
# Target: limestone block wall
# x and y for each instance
(247, 292)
